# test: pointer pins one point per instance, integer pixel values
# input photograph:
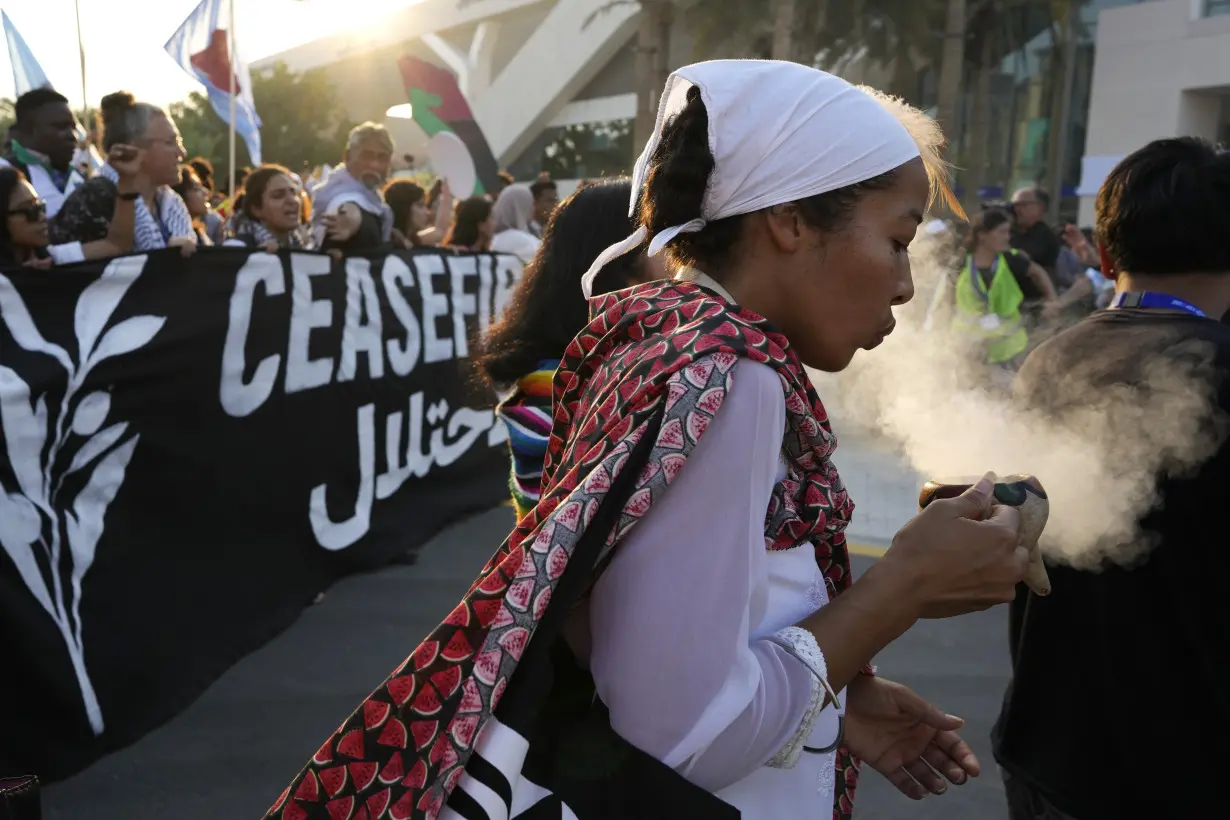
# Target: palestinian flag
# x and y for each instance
(437, 104)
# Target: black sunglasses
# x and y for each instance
(34, 212)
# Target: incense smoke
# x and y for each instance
(925, 393)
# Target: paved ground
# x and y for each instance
(231, 753)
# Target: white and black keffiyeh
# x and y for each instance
(152, 232)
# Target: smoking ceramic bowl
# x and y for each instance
(1020, 491)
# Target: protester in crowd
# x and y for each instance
(706, 710)
(1077, 722)
(24, 235)
(194, 195)
(349, 213)
(162, 218)
(1031, 233)
(520, 352)
(546, 200)
(514, 209)
(995, 288)
(42, 145)
(412, 218)
(271, 209)
(215, 225)
(506, 179)
(472, 225)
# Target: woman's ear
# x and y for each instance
(785, 227)
(1108, 266)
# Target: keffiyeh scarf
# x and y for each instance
(152, 232)
(655, 364)
(255, 234)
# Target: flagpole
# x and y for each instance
(85, 98)
(233, 68)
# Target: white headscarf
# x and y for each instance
(514, 208)
(779, 132)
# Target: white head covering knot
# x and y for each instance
(779, 132)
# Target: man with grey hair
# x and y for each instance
(349, 213)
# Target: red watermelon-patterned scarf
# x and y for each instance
(655, 359)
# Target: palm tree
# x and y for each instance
(952, 65)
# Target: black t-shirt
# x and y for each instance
(1041, 243)
(1018, 265)
(1120, 700)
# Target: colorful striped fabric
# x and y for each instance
(526, 412)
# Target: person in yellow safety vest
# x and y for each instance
(993, 284)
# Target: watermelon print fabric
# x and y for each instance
(656, 357)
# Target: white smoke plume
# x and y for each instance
(923, 392)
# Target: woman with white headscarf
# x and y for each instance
(513, 212)
(673, 630)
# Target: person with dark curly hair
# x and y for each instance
(518, 354)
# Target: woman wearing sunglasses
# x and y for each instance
(23, 232)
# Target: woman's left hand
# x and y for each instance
(905, 738)
(186, 245)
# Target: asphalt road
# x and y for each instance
(230, 754)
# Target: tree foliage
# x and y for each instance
(302, 122)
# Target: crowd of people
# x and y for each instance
(1016, 281)
(147, 195)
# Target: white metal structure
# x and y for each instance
(520, 63)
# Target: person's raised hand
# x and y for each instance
(960, 554)
(1074, 236)
(126, 160)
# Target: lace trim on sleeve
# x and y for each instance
(802, 645)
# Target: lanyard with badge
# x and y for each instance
(989, 321)
(1146, 300)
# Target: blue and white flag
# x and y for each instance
(27, 73)
(200, 48)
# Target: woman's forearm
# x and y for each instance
(861, 621)
(1080, 289)
(119, 233)
(1043, 281)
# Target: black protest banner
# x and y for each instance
(193, 449)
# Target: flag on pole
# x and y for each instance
(199, 46)
(27, 73)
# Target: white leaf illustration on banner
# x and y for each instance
(23, 435)
(96, 446)
(19, 323)
(100, 298)
(126, 337)
(39, 518)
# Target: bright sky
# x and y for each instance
(124, 39)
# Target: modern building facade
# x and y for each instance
(1162, 70)
(550, 82)
(552, 85)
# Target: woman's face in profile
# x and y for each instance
(839, 293)
(27, 217)
(997, 239)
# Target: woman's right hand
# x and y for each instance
(126, 160)
(960, 554)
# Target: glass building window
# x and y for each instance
(584, 151)
(1215, 7)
